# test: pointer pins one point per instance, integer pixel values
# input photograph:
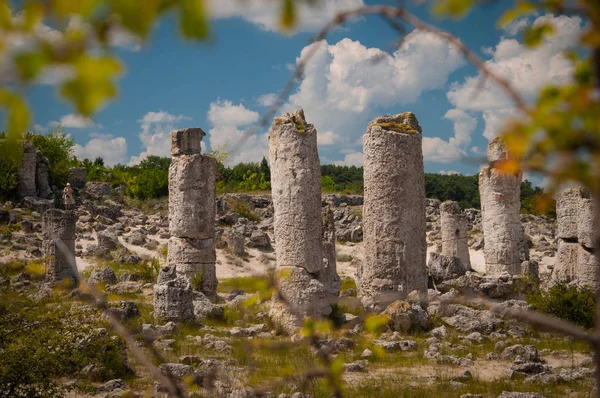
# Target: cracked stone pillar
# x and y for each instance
(329, 276)
(42, 177)
(505, 244)
(191, 253)
(296, 190)
(58, 233)
(192, 179)
(575, 260)
(27, 171)
(454, 228)
(393, 212)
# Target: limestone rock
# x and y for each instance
(235, 243)
(405, 316)
(454, 228)
(77, 177)
(59, 245)
(102, 275)
(186, 141)
(192, 196)
(568, 205)
(443, 268)
(42, 177)
(173, 300)
(393, 212)
(27, 171)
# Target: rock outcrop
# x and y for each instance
(575, 258)
(505, 244)
(393, 212)
(296, 190)
(58, 244)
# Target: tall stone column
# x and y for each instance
(575, 258)
(191, 252)
(296, 190)
(393, 212)
(192, 190)
(27, 171)
(505, 244)
(454, 228)
(329, 276)
(58, 233)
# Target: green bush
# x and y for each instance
(9, 170)
(40, 343)
(58, 148)
(569, 302)
(243, 209)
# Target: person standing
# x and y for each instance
(68, 197)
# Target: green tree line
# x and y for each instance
(150, 178)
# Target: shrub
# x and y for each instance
(569, 302)
(38, 345)
(58, 148)
(243, 209)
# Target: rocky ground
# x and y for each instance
(453, 350)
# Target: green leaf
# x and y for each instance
(375, 322)
(63, 8)
(136, 16)
(533, 36)
(522, 8)
(194, 21)
(337, 367)
(288, 14)
(32, 14)
(6, 21)
(18, 117)
(584, 73)
(453, 8)
(29, 65)
(92, 84)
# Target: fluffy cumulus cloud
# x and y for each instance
(439, 150)
(155, 134)
(527, 69)
(229, 123)
(78, 122)
(346, 82)
(266, 13)
(112, 149)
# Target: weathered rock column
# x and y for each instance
(296, 190)
(505, 244)
(454, 228)
(58, 235)
(192, 190)
(393, 212)
(329, 276)
(27, 171)
(575, 258)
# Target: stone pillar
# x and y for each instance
(173, 297)
(329, 276)
(58, 235)
(42, 177)
(393, 212)
(505, 244)
(575, 258)
(454, 228)
(77, 177)
(27, 171)
(192, 190)
(296, 190)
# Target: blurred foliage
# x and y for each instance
(57, 147)
(569, 302)
(39, 344)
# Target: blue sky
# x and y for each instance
(224, 85)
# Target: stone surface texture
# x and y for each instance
(454, 229)
(27, 171)
(505, 242)
(575, 260)
(58, 233)
(77, 177)
(298, 230)
(394, 211)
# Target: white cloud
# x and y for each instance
(267, 99)
(449, 172)
(437, 150)
(266, 13)
(352, 159)
(228, 122)
(112, 149)
(527, 69)
(155, 134)
(346, 83)
(77, 122)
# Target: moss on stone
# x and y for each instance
(397, 127)
(300, 128)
